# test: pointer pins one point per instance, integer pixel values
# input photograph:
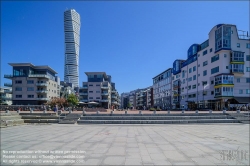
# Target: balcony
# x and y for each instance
(8, 84)
(42, 98)
(6, 98)
(7, 91)
(41, 84)
(42, 91)
(38, 76)
(83, 94)
(9, 76)
(104, 93)
(114, 102)
(84, 87)
(104, 100)
(104, 87)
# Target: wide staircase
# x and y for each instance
(69, 118)
(40, 117)
(156, 119)
(10, 119)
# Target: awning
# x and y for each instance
(239, 100)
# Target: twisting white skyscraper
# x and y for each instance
(72, 42)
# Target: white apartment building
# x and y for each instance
(100, 89)
(217, 71)
(162, 89)
(32, 85)
(6, 95)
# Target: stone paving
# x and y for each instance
(196, 144)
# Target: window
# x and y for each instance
(18, 96)
(212, 82)
(30, 88)
(205, 63)
(90, 91)
(183, 81)
(205, 93)
(198, 75)
(238, 45)
(194, 77)
(225, 55)
(183, 74)
(97, 84)
(248, 69)
(189, 79)
(204, 83)
(97, 91)
(226, 67)
(30, 81)
(90, 97)
(194, 86)
(247, 57)
(189, 87)
(248, 91)
(204, 52)
(215, 58)
(198, 65)
(190, 70)
(18, 81)
(215, 70)
(248, 45)
(90, 84)
(97, 97)
(240, 91)
(211, 49)
(198, 55)
(198, 84)
(204, 72)
(30, 96)
(212, 92)
(238, 79)
(194, 68)
(237, 56)
(248, 80)
(18, 88)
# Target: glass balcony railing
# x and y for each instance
(104, 100)
(44, 98)
(83, 93)
(8, 84)
(41, 84)
(39, 76)
(105, 93)
(8, 76)
(7, 91)
(6, 98)
(42, 91)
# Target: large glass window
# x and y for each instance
(190, 70)
(237, 56)
(194, 68)
(224, 79)
(239, 68)
(215, 70)
(248, 91)
(205, 63)
(204, 52)
(247, 57)
(18, 89)
(30, 81)
(204, 72)
(194, 77)
(247, 69)
(30, 88)
(215, 58)
(248, 80)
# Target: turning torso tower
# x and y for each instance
(72, 42)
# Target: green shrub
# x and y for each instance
(158, 109)
(152, 109)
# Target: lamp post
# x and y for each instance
(203, 95)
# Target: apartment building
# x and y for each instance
(6, 95)
(124, 100)
(32, 85)
(217, 71)
(100, 89)
(144, 98)
(162, 89)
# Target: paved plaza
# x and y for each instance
(196, 144)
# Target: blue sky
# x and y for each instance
(131, 41)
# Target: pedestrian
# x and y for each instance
(56, 108)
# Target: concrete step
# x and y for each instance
(159, 114)
(10, 117)
(39, 117)
(157, 121)
(38, 114)
(70, 119)
(41, 120)
(13, 122)
(153, 117)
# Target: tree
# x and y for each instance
(72, 99)
(129, 105)
(57, 101)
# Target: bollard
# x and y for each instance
(31, 111)
(44, 111)
(18, 111)
(112, 112)
(183, 111)
(84, 112)
(140, 112)
(210, 111)
(126, 112)
(7, 111)
(224, 111)
(154, 112)
(238, 111)
(196, 111)
(168, 111)
(70, 111)
(97, 112)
